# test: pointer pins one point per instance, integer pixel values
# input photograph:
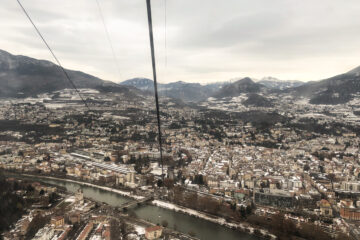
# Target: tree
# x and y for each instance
(332, 178)
(199, 179)
(159, 183)
(53, 197)
(306, 167)
(38, 222)
(248, 209)
(242, 212)
(169, 183)
(150, 179)
(30, 188)
(282, 227)
(190, 199)
(257, 232)
(311, 231)
(106, 159)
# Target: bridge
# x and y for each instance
(126, 205)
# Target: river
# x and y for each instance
(181, 222)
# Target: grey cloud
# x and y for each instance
(208, 40)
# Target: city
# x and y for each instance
(175, 145)
(233, 167)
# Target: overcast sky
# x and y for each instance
(207, 40)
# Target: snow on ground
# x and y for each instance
(139, 229)
(95, 237)
(70, 199)
(188, 211)
(214, 219)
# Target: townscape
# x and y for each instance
(180, 120)
(277, 171)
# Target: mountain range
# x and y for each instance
(335, 90)
(275, 83)
(189, 92)
(22, 76)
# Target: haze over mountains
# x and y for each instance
(275, 83)
(192, 92)
(22, 76)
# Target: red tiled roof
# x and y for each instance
(152, 229)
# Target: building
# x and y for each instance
(350, 186)
(58, 221)
(74, 217)
(24, 226)
(274, 199)
(64, 234)
(79, 196)
(325, 208)
(350, 213)
(153, 232)
(85, 232)
(45, 233)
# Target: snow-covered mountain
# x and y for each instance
(275, 83)
(189, 92)
(22, 76)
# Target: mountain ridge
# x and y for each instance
(22, 76)
(245, 85)
(190, 92)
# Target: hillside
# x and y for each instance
(188, 92)
(335, 90)
(22, 76)
(245, 85)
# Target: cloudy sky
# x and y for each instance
(207, 40)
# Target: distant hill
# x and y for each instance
(22, 76)
(245, 85)
(188, 92)
(144, 84)
(257, 100)
(275, 83)
(335, 90)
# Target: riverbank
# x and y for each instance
(241, 227)
(120, 192)
(218, 220)
(139, 224)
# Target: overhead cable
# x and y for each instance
(165, 32)
(108, 37)
(53, 54)
(148, 4)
